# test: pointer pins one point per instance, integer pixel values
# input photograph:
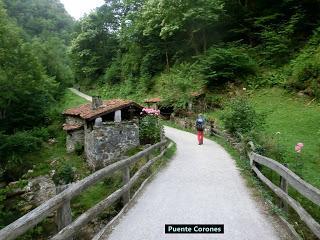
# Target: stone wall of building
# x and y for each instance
(73, 139)
(74, 120)
(106, 142)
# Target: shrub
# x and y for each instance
(225, 63)
(268, 145)
(64, 174)
(41, 133)
(113, 74)
(12, 151)
(3, 211)
(180, 82)
(151, 129)
(79, 149)
(305, 71)
(277, 40)
(241, 117)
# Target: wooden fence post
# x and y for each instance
(149, 172)
(284, 187)
(126, 179)
(162, 148)
(63, 217)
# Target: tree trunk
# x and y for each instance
(167, 59)
(193, 43)
(204, 39)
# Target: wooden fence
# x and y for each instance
(61, 202)
(287, 177)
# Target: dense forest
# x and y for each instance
(148, 48)
(35, 69)
(141, 45)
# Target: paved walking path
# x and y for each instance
(80, 94)
(200, 185)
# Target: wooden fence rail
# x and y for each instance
(59, 201)
(287, 177)
(304, 188)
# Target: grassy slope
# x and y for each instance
(297, 122)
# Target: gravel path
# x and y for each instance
(201, 185)
(80, 94)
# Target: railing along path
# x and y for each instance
(61, 202)
(287, 177)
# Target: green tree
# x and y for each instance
(41, 17)
(25, 88)
(53, 55)
(96, 44)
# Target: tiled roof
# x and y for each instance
(86, 112)
(70, 127)
(153, 100)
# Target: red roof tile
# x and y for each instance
(153, 100)
(86, 112)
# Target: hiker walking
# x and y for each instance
(200, 128)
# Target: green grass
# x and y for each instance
(71, 100)
(297, 122)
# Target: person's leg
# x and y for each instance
(199, 137)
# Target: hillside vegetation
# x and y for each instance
(168, 47)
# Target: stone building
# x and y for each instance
(105, 129)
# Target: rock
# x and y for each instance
(27, 208)
(301, 93)
(52, 141)
(54, 161)
(39, 190)
(52, 173)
